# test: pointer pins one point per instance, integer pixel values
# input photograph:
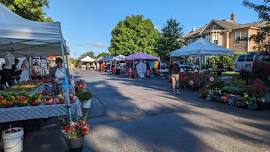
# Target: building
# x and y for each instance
(227, 33)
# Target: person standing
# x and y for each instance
(174, 72)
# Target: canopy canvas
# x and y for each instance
(201, 47)
(119, 58)
(88, 59)
(24, 37)
(106, 59)
(141, 56)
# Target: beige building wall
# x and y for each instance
(251, 43)
(238, 45)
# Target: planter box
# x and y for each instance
(75, 144)
(87, 104)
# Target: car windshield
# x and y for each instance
(250, 57)
(241, 58)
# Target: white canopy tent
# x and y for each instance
(201, 47)
(24, 37)
(119, 58)
(88, 59)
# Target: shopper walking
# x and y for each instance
(174, 72)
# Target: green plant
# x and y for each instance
(84, 95)
(73, 130)
(237, 90)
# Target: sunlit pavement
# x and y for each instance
(134, 115)
(142, 115)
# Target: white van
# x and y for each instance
(245, 62)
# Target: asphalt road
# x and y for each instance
(134, 115)
(142, 116)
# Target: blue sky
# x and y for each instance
(87, 24)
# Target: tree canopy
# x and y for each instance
(103, 54)
(263, 10)
(29, 9)
(171, 39)
(134, 34)
(89, 53)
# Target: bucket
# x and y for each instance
(87, 104)
(13, 142)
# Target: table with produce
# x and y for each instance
(33, 100)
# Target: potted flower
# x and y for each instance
(80, 85)
(85, 97)
(74, 133)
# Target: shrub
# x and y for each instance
(84, 95)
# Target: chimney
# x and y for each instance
(193, 29)
(233, 17)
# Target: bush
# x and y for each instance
(84, 95)
(226, 62)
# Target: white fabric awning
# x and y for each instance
(201, 47)
(88, 59)
(25, 37)
(119, 58)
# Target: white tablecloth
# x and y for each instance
(36, 112)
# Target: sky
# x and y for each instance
(87, 24)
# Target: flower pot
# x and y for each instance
(87, 104)
(75, 144)
(13, 141)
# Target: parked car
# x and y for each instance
(245, 62)
(261, 65)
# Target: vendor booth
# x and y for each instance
(201, 48)
(105, 64)
(141, 65)
(118, 65)
(20, 37)
(90, 63)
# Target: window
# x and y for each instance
(259, 58)
(208, 38)
(237, 36)
(250, 57)
(241, 58)
(216, 39)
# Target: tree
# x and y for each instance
(171, 39)
(29, 9)
(74, 61)
(263, 11)
(103, 54)
(89, 53)
(134, 34)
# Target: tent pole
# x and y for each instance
(200, 63)
(65, 84)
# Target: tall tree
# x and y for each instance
(263, 10)
(89, 53)
(134, 34)
(103, 54)
(29, 9)
(171, 39)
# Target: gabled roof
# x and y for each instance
(225, 24)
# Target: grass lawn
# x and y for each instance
(230, 73)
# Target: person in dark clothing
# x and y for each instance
(3, 76)
(15, 73)
(174, 70)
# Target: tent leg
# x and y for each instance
(66, 85)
